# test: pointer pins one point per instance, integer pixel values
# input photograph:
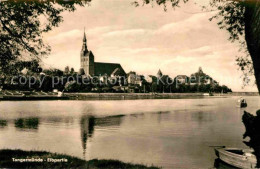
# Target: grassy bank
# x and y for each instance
(13, 158)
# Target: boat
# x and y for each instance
(240, 158)
(218, 164)
(208, 94)
(241, 103)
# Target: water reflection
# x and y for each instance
(137, 115)
(172, 133)
(88, 123)
(87, 128)
(109, 121)
(27, 123)
(67, 121)
(201, 117)
(218, 164)
(3, 123)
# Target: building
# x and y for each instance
(200, 78)
(134, 79)
(159, 74)
(92, 68)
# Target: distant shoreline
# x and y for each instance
(121, 96)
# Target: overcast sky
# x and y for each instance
(146, 39)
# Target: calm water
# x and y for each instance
(169, 133)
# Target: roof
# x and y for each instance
(107, 68)
(116, 71)
(159, 73)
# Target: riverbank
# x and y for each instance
(13, 158)
(130, 96)
(30, 95)
(19, 95)
(133, 96)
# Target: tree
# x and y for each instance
(72, 70)
(252, 125)
(241, 18)
(81, 72)
(53, 72)
(66, 70)
(154, 87)
(22, 23)
(72, 86)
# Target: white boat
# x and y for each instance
(208, 94)
(240, 158)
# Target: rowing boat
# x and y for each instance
(241, 158)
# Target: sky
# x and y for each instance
(145, 39)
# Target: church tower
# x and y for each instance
(87, 58)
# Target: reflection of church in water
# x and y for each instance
(89, 123)
(87, 128)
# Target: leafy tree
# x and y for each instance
(241, 18)
(66, 70)
(225, 89)
(81, 71)
(194, 88)
(154, 87)
(72, 86)
(53, 72)
(46, 83)
(31, 65)
(72, 70)
(22, 23)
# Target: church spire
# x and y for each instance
(84, 37)
(84, 47)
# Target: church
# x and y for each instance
(92, 68)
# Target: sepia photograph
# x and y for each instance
(130, 84)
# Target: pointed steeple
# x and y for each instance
(84, 46)
(159, 74)
(84, 37)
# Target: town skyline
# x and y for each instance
(178, 43)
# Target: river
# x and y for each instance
(169, 133)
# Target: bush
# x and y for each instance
(72, 86)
